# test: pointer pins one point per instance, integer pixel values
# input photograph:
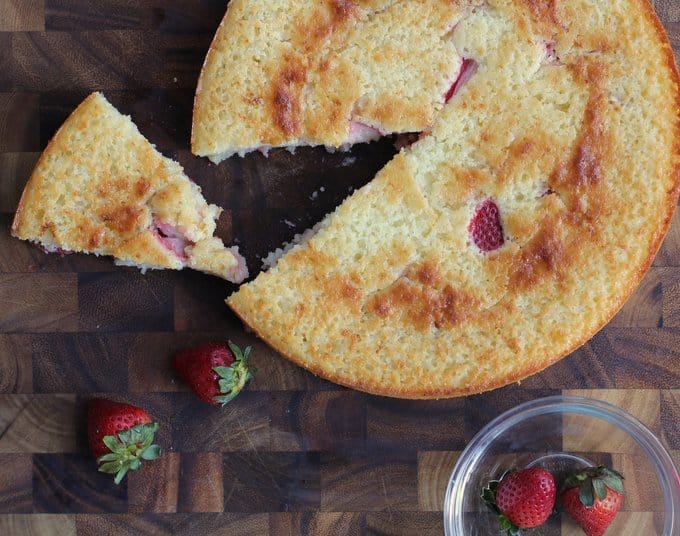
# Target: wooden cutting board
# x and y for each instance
(294, 454)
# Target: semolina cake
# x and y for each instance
(508, 234)
(100, 187)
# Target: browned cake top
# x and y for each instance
(513, 230)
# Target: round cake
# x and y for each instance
(542, 184)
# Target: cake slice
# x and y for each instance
(331, 72)
(100, 187)
(512, 231)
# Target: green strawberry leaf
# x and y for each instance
(608, 471)
(508, 526)
(489, 496)
(226, 385)
(147, 435)
(136, 434)
(238, 354)
(151, 452)
(108, 457)
(226, 373)
(125, 437)
(585, 494)
(234, 377)
(599, 488)
(120, 475)
(613, 482)
(504, 523)
(113, 444)
(110, 467)
(226, 398)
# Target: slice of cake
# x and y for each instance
(100, 187)
(512, 231)
(332, 72)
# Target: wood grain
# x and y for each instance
(37, 423)
(201, 486)
(47, 525)
(38, 302)
(25, 16)
(295, 454)
(16, 365)
(16, 485)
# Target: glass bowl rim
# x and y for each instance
(650, 444)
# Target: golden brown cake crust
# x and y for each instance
(582, 156)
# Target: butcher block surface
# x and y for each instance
(293, 454)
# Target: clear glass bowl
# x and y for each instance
(562, 433)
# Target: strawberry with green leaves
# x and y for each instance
(522, 499)
(120, 436)
(215, 371)
(593, 497)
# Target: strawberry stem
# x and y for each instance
(236, 376)
(593, 483)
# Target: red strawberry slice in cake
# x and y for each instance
(485, 227)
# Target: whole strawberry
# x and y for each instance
(522, 499)
(593, 497)
(120, 436)
(215, 371)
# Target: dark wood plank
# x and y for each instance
(369, 481)
(187, 16)
(310, 523)
(39, 423)
(67, 61)
(125, 300)
(428, 425)
(644, 307)
(668, 10)
(69, 483)
(156, 488)
(173, 524)
(38, 302)
(670, 417)
(97, 363)
(16, 484)
(19, 118)
(201, 486)
(15, 169)
(404, 524)
(319, 421)
(198, 427)
(272, 481)
(16, 365)
(617, 357)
